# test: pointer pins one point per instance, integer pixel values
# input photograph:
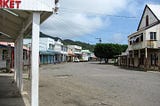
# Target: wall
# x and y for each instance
(43, 44)
(155, 28)
(146, 38)
(58, 46)
(152, 19)
(2, 62)
(75, 48)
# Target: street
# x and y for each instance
(93, 84)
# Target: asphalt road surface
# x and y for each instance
(92, 84)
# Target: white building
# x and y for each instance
(86, 54)
(77, 50)
(52, 49)
(144, 44)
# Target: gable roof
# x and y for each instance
(155, 10)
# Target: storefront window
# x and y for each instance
(4, 54)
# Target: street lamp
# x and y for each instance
(100, 40)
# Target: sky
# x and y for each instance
(87, 20)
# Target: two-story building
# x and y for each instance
(51, 48)
(77, 51)
(144, 44)
(61, 50)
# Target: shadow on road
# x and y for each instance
(102, 63)
(121, 67)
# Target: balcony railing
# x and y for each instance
(135, 46)
(151, 44)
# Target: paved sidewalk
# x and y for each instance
(9, 95)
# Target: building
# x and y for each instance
(51, 48)
(7, 55)
(77, 50)
(86, 55)
(144, 44)
(70, 54)
(62, 50)
(123, 59)
(47, 53)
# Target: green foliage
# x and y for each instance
(109, 51)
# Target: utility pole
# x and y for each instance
(100, 40)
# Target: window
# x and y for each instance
(141, 36)
(51, 47)
(62, 48)
(25, 55)
(152, 35)
(130, 42)
(147, 20)
(137, 40)
(154, 59)
(4, 54)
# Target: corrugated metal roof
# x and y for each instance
(5, 44)
(11, 26)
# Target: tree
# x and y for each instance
(108, 51)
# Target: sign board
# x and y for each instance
(30, 5)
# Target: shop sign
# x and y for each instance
(12, 4)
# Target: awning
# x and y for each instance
(16, 16)
(50, 52)
(20, 18)
(15, 22)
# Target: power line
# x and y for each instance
(71, 30)
(104, 14)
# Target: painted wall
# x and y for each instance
(44, 43)
(58, 46)
(146, 38)
(152, 18)
(75, 48)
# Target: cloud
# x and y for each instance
(76, 25)
(118, 38)
(81, 17)
(96, 6)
